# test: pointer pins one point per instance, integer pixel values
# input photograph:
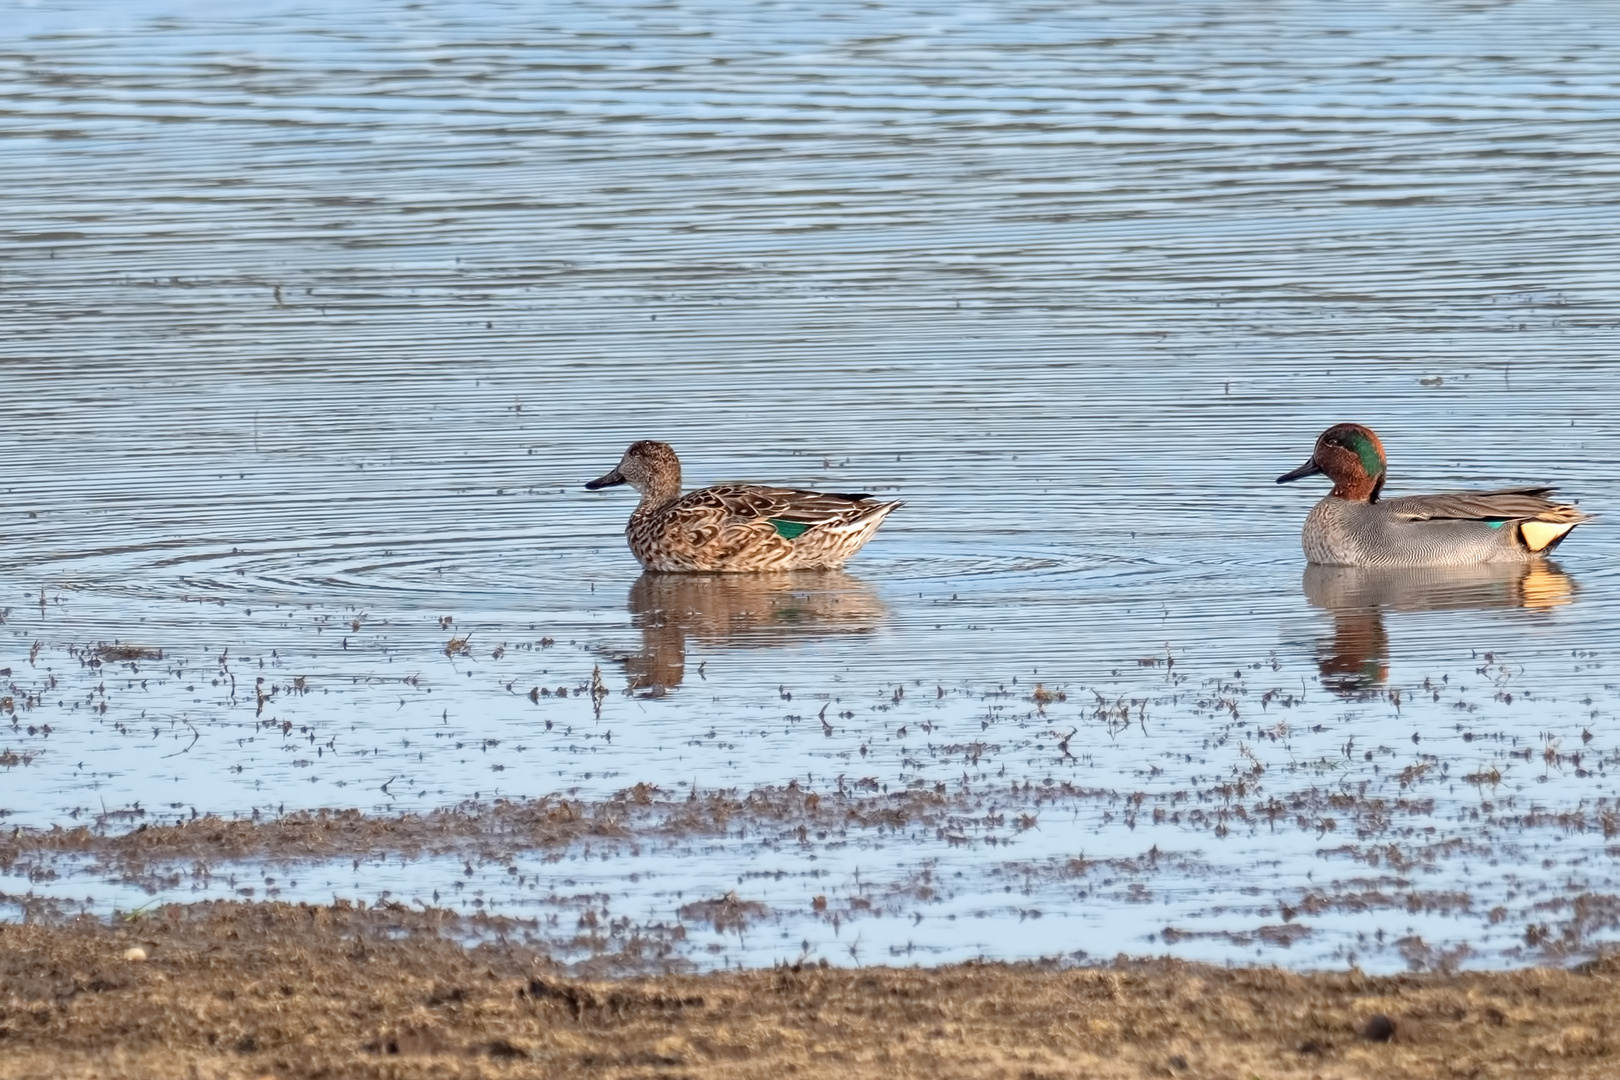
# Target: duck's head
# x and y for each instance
(1352, 457)
(650, 467)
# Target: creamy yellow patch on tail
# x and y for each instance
(1539, 535)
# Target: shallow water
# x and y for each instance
(316, 322)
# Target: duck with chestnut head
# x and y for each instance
(1356, 526)
(737, 528)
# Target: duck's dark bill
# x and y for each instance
(612, 478)
(1310, 468)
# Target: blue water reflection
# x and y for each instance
(316, 318)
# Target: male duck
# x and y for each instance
(1352, 526)
(736, 527)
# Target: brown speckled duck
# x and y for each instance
(1355, 526)
(736, 528)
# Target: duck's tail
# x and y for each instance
(1547, 529)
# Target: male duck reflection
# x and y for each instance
(1356, 658)
(736, 527)
(1352, 526)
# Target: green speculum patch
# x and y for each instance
(788, 530)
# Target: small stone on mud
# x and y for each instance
(1378, 1028)
(135, 955)
(501, 1049)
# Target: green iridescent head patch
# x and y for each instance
(1365, 449)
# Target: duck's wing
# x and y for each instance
(792, 511)
(1528, 513)
(1510, 504)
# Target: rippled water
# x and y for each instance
(317, 320)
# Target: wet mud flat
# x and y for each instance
(233, 989)
(792, 875)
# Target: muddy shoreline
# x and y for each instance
(265, 988)
(270, 989)
(514, 863)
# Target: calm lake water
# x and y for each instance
(315, 321)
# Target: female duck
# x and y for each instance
(1354, 527)
(736, 527)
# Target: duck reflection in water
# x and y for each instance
(739, 611)
(1356, 658)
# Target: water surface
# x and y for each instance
(316, 321)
